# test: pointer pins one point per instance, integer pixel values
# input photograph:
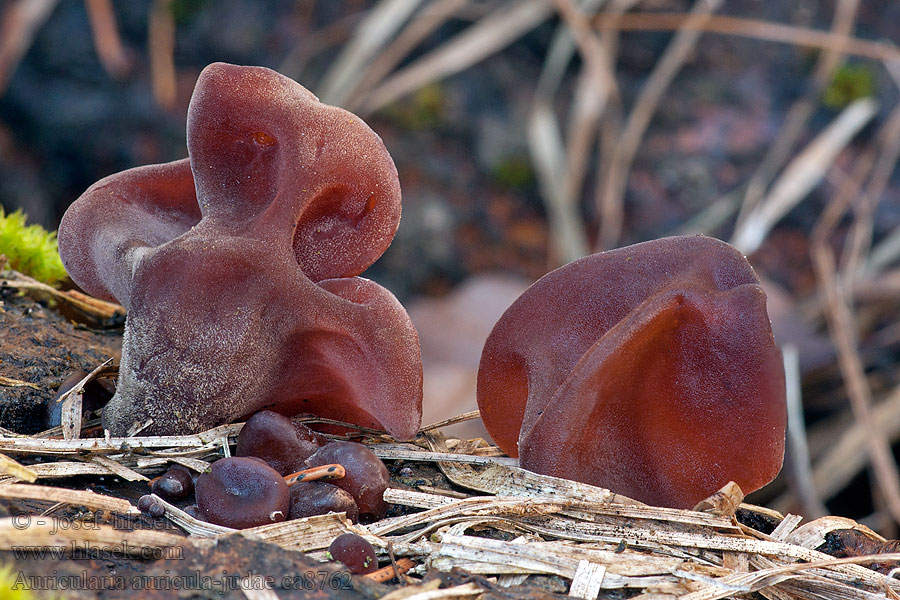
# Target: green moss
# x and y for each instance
(31, 249)
(12, 586)
(424, 110)
(514, 172)
(851, 82)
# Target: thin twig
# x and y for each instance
(468, 416)
(805, 171)
(841, 326)
(797, 448)
(106, 37)
(799, 114)
(426, 22)
(674, 57)
(161, 42)
(860, 241)
(19, 23)
(757, 29)
(374, 31)
(492, 33)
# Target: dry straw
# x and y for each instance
(506, 525)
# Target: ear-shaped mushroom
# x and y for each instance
(650, 370)
(242, 492)
(238, 266)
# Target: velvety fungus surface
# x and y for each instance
(238, 266)
(650, 370)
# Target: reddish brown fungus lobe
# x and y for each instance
(652, 372)
(238, 266)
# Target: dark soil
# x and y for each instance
(40, 347)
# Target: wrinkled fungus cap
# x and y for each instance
(650, 370)
(238, 266)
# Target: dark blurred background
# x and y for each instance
(530, 132)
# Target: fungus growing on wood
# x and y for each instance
(355, 552)
(366, 476)
(242, 492)
(276, 439)
(650, 370)
(174, 484)
(310, 498)
(238, 267)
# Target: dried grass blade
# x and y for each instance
(757, 29)
(674, 57)
(467, 416)
(14, 469)
(430, 18)
(548, 155)
(799, 114)
(119, 469)
(379, 25)
(587, 581)
(860, 240)
(20, 21)
(88, 499)
(161, 48)
(71, 403)
(45, 532)
(106, 38)
(117, 444)
(10, 382)
(749, 582)
(839, 317)
(883, 254)
(596, 84)
(803, 174)
(797, 451)
(422, 455)
(847, 455)
(492, 33)
(310, 533)
(59, 470)
(190, 524)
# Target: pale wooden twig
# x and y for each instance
(92, 307)
(71, 401)
(11, 382)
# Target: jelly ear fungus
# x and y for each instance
(239, 266)
(650, 370)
